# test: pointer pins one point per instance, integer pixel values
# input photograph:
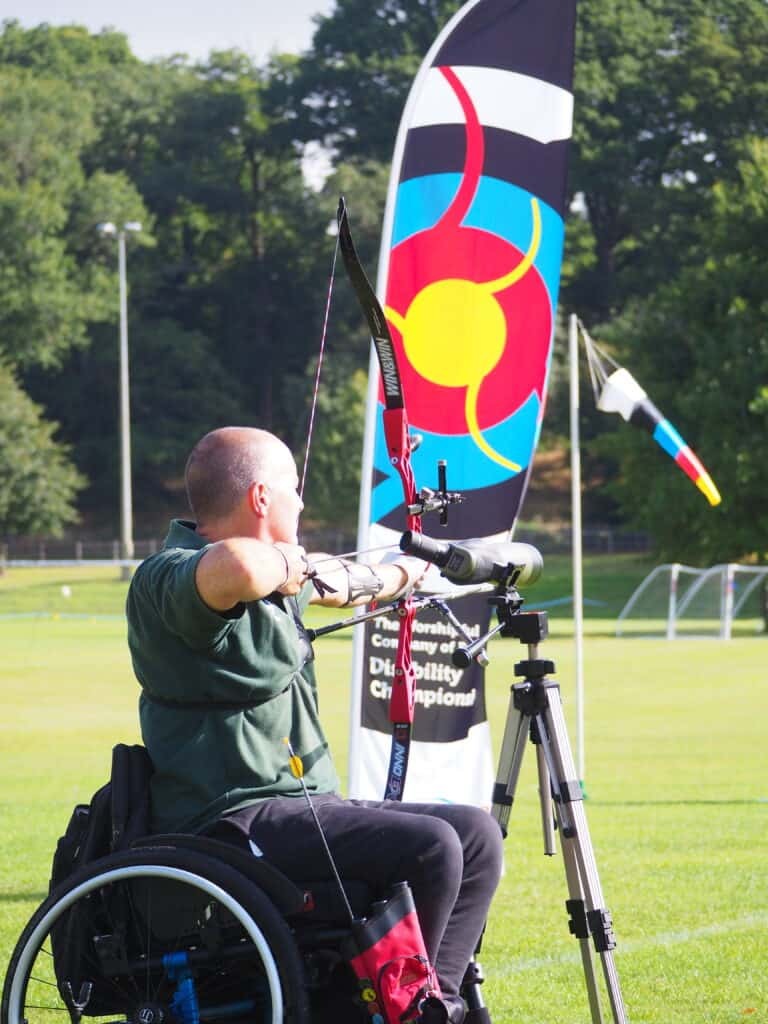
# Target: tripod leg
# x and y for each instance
(578, 852)
(545, 796)
(577, 922)
(510, 760)
(580, 929)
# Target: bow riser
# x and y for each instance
(404, 684)
(398, 441)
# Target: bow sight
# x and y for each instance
(428, 500)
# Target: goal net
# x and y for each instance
(676, 600)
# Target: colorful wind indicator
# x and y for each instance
(618, 391)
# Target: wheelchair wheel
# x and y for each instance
(156, 936)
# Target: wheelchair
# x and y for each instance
(188, 929)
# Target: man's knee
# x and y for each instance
(481, 839)
(441, 855)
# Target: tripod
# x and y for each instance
(535, 713)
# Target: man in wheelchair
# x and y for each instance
(225, 912)
(226, 672)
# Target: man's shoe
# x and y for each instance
(444, 1010)
(433, 1011)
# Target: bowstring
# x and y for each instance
(354, 554)
(319, 368)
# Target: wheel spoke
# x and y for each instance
(112, 930)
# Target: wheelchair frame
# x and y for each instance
(234, 956)
(184, 929)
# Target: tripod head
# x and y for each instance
(528, 627)
(507, 603)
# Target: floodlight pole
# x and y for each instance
(126, 497)
(576, 542)
(126, 501)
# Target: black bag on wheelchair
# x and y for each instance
(117, 814)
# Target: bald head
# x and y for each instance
(223, 465)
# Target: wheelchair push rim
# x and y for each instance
(217, 894)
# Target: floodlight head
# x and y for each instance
(106, 228)
(132, 225)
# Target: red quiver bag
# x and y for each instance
(397, 983)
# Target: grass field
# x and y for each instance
(676, 776)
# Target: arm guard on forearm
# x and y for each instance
(362, 581)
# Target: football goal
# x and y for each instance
(678, 600)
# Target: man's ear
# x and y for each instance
(259, 498)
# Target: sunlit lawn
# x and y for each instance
(675, 775)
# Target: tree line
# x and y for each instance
(666, 245)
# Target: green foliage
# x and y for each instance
(42, 129)
(228, 278)
(178, 392)
(70, 52)
(186, 150)
(239, 235)
(333, 472)
(51, 286)
(665, 92)
(349, 90)
(38, 485)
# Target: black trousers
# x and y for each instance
(450, 854)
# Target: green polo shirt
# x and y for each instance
(220, 692)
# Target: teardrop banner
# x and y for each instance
(469, 272)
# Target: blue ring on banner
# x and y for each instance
(516, 435)
(499, 207)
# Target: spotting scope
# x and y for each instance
(477, 561)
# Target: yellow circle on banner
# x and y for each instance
(469, 326)
(369, 996)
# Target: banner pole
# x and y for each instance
(576, 548)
